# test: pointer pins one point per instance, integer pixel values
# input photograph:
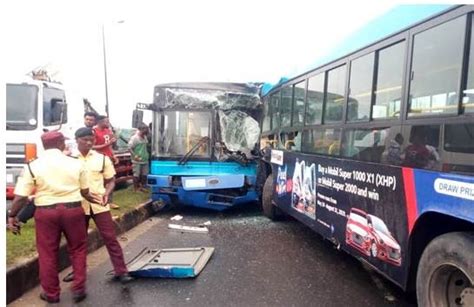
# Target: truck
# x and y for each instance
(34, 105)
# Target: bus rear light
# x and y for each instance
(30, 152)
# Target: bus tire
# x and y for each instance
(445, 275)
(269, 210)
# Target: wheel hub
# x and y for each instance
(451, 287)
(467, 297)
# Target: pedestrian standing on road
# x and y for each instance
(101, 182)
(59, 183)
(138, 148)
(104, 140)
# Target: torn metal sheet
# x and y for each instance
(170, 262)
(183, 228)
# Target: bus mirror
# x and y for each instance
(137, 118)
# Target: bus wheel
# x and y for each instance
(445, 274)
(269, 210)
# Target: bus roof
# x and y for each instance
(393, 22)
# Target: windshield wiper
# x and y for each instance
(188, 155)
(236, 156)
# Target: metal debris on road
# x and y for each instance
(177, 218)
(170, 262)
(183, 228)
(205, 224)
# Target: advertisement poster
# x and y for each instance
(358, 206)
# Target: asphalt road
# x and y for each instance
(256, 263)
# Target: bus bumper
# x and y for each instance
(164, 190)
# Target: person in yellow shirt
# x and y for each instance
(59, 183)
(101, 181)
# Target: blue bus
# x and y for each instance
(374, 150)
(204, 144)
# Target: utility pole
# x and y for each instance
(105, 74)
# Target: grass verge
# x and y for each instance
(23, 246)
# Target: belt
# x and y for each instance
(74, 204)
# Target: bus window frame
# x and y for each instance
(398, 40)
(305, 80)
(426, 27)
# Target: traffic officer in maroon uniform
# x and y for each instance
(59, 183)
(101, 182)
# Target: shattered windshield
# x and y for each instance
(179, 131)
(236, 117)
(21, 107)
(239, 131)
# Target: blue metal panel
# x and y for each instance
(170, 272)
(199, 168)
(213, 182)
(170, 262)
(204, 199)
(449, 194)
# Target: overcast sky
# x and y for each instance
(173, 41)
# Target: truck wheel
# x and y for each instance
(269, 210)
(445, 275)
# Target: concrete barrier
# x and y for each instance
(24, 276)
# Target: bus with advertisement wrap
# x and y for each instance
(374, 150)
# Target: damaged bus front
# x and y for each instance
(204, 144)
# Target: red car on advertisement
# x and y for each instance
(369, 235)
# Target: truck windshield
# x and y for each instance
(179, 131)
(21, 107)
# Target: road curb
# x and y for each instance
(24, 276)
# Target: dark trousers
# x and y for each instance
(50, 223)
(106, 228)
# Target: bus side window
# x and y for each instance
(291, 140)
(422, 148)
(364, 144)
(458, 148)
(323, 141)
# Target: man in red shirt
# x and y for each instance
(104, 139)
